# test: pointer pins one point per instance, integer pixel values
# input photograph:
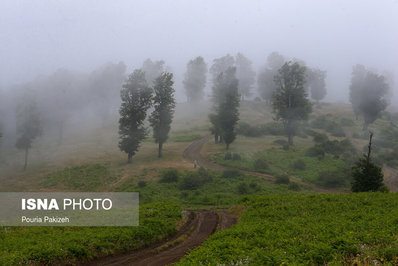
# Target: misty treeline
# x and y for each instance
(69, 101)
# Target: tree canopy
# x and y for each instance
(245, 74)
(195, 79)
(290, 103)
(136, 98)
(164, 104)
(265, 80)
(368, 93)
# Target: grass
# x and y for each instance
(281, 161)
(50, 245)
(307, 229)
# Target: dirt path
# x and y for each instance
(193, 153)
(200, 225)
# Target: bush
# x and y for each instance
(231, 173)
(243, 188)
(280, 142)
(236, 157)
(142, 184)
(194, 179)
(320, 137)
(249, 131)
(282, 179)
(316, 151)
(298, 164)
(272, 128)
(260, 163)
(169, 175)
(384, 189)
(228, 156)
(294, 186)
(332, 179)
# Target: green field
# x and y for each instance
(308, 229)
(51, 245)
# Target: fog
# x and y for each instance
(44, 42)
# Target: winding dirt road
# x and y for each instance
(199, 226)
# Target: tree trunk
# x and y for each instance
(160, 150)
(129, 157)
(227, 146)
(26, 159)
(215, 138)
(221, 140)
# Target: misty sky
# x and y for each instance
(38, 37)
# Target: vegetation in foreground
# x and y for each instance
(50, 245)
(357, 228)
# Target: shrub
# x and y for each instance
(294, 186)
(231, 173)
(190, 182)
(384, 189)
(249, 131)
(243, 188)
(282, 179)
(280, 142)
(228, 156)
(273, 128)
(316, 151)
(142, 184)
(236, 157)
(260, 163)
(331, 179)
(298, 164)
(320, 137)
(169, 175)
(253, 185)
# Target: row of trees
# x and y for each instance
(137, 97)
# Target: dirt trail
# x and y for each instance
(193, 153)
(200, 225)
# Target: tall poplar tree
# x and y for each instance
(136, 98)
(195, 79)
(29, 125)
(290, 102)
(164, 104)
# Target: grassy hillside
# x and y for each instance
(307, 229)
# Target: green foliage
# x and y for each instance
(236, 157)
(169, 175)
(72, 245)
(343, 229)
(368, 93)
(322, 122)
(316, 83)
(293, 186)
(195, 79)
(87, 177)
(231, 173)
(282, 179)
(366, 176)
(260, 164)
(228, 155)
(333, 179)
(270, 128)
(298, 164)
(226, 105)
(289, 101)
(142, 184)
(316, 151)
(320, 137)
(185, 138)
(243, 188)
(136, 100)
(164, 104)
(194, 180)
